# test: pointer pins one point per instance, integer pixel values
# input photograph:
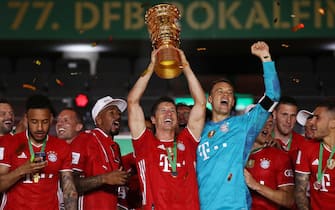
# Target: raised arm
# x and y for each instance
(136, 120)
(271, 81)
(198, 112)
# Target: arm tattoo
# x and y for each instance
(69, 191)
(301, 183)
(84, 184)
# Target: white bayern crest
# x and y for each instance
(265, 163)
(52, 156)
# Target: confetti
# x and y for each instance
(59, 82)
(37, 62)
(28, 86)
(201, 49)
(298, 27)
(293, 16)
(285, 45)
(75, 73)
(321, 11)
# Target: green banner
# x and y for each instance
(210, 19)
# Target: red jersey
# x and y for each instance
(270, 167)
(297, 143)
(307, 163)
(160, 189)
(26, 194)
(130, 196)
(95, 153)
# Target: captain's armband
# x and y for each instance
(267, 103)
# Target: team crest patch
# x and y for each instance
(211, 133)
(52, 156)
(250, 163)
(224, 128)
(265, 163)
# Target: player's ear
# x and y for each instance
(210, 99)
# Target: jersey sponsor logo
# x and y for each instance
(203, 150)
(52, 156)
(325, 182)
(22, 155)
(164, 162)
(2, 151)
(288, 173)
(29, 177)
(265, 163)
(75, 158)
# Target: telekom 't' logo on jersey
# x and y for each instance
(203, 150)
(164, 162)
(325, 182)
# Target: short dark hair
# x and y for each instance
(328, 104)
(159, 101)
(4, 101)
(39, 102)
(78, 116)
(223, 79)
(288, 100)
(183, 105)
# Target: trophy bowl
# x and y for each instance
(164, 29)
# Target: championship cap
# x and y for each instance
(302, 116)
(105, 102)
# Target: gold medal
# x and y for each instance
(211, 133)
(331, 164)
(317, 185)
(36, 177)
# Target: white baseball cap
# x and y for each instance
(302, 116)
(105, 102)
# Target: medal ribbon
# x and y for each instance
(289, 143)
(320, 171)
(31, 150)
(172, 160)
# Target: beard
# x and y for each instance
(114, 132)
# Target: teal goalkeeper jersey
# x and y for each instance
(223, 151)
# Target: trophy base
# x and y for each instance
(168, 63)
